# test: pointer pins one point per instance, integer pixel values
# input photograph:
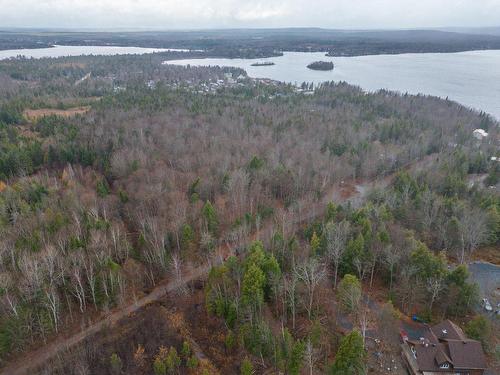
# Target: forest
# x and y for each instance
(258, 43)
(291, 233)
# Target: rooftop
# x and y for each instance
(445, 348)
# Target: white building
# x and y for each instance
(479, 134)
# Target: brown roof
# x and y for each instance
(467, 354)
(430, 357)
(431, 337)
(446, 343)
(448, 330)
(441, 356)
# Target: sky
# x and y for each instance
(200, 14)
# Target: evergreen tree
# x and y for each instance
(267, 264)
(355, 250)
(159, 366)
(187, 236)
(331, 212)
(210, 216)
(350, 358)
(192, 362)
(246, 367)
(252, 294)
(116, 363)
(315, 243)
(427, 264)
(349, 293)
(290, 354)
(186, 350)
(173, 360)
(479, 329)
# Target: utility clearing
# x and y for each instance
(35, 114)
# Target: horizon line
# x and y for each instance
(188, 29)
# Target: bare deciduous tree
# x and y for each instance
(365, 318)
(6, 284)
(391, 257)
(430, 206)
(290, 291)
(176, 264)
(311, 273)
(473, 230)
(237, 188)
(336, 236)
(311, 356)
(434, 285)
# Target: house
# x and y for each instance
(444, 349)
(479, 134)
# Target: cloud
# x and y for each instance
(261, 12)
(248, 13)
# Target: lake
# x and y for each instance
(62, 51)
(470, 78)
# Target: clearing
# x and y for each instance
(35, 114)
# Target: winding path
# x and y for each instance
(37, 358)
(348, 192)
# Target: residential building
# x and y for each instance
(444, 349)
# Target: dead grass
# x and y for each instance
(488, 254)
(35, 114)
(26, 132)
(347, 191)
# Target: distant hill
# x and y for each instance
(475, 30)
(257, 43)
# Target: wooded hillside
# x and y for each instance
(157, 175)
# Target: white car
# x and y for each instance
(487, 305)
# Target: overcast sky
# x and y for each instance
(176, 14)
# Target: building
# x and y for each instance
(444, 349)
(479, 134)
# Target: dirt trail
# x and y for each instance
(41, 356)
(354, 192)
(37, 358)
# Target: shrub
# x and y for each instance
(479, 329)
(116, 363)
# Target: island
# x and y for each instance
(264, 63)
(225, 136)
(321, 65)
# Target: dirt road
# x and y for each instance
(346, 192)
(37, 358)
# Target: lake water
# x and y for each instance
(470, 78)
(61, 51)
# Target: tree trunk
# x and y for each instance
(335, 276)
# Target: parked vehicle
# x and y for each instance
(487, 305)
